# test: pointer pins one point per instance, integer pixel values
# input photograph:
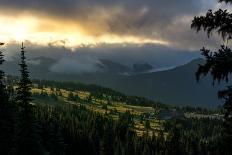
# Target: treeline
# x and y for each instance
(196, 136)
(76, 130)
(100, 92)
(29, 129)
(70, 129)
(200, 110)
(95, 91)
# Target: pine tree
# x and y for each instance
(28, 136)
(147, 125)
(3, 92)
(6, 115)
(218, 64)
(23, 97)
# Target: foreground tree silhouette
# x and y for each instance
(6, 114)
(28, 136)
(23, 97)
(3, 92)
(218, 64)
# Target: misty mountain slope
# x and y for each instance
(117, 68)
(142, 67)
(176, 86)
(113, 67)
(39, 67)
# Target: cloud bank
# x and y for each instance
(72, 22)
(88, 59)
(79, 33)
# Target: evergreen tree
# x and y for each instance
(174, 142)
(28, 136)
(147, 125)
(218, 64)
(6, 115)
(72, 97)
(108, 141)
(3, 92)
(23, 97)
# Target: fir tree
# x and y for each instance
(3, 92)
(218, 64)
(28, 136)
(23, 97)
(147, 125)
(6, 114)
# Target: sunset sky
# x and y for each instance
(104, 25)
(77, 22)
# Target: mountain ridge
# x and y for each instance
(177, 86)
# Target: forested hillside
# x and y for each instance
(47, 117)
(176, 86)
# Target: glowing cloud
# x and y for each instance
(43, 31)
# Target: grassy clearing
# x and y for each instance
(113, 110)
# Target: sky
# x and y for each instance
(122, 30)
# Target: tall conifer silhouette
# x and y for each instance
(3, 92)
(24, 85)
(29, 140)
(6, 115)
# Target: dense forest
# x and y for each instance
(28, 128)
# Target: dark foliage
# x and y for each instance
(23, 97)
(28, 139)
(226, 1)
(6, 114)
(218, 64)
(220, 21)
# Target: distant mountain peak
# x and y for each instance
(142, 67)
(114, 67)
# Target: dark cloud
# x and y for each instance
(87, 59)
(71, 7)
(167, 20)
(146, 18)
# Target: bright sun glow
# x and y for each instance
(45, 31)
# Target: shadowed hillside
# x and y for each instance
(176, 86)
